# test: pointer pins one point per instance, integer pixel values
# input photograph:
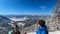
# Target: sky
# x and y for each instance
(27, 7)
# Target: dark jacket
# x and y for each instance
(42, 30)
(18, 32)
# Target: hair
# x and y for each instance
(17, 27)
(41, 22)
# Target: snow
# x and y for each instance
(56, 32)
(18, 19)
(21, 24)
(10, 23)
(32, 33)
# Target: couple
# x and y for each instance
(14, 30)
(41, 28)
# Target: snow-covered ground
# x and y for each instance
(56, 32)
(18, 19)
(21, 24)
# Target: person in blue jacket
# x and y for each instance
(42, 28)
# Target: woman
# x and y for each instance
(15, 30)
(42, 29)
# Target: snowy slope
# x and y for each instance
(56, 32)
(18, 19)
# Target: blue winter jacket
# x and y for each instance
(42, 30)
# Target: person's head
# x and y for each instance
(41, 23)
(16, 27)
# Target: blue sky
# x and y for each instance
(26, 7)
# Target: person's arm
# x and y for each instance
(44, 32)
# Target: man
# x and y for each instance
(42, 29)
